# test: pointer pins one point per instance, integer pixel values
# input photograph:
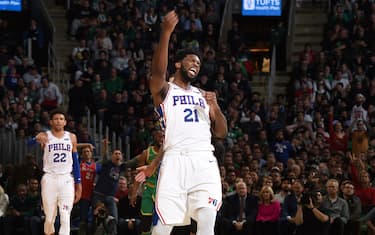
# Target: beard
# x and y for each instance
(185, 76)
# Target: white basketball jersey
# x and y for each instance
(57, 157)
(186, 118)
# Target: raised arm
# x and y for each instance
(105, 150)
(158, 83)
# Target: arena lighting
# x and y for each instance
(261, 7)
(10, 5)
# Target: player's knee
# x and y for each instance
(205, 221)
(161, 229)
(64, 219)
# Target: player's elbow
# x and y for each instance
(221, 134)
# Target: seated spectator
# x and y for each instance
(129, 215)
(284, 190)
(122, 190)
(289, 210)
(239, 211)
(21, 208)
(337, 208)
(268, 213)
(355, 208)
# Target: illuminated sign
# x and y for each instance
(261, 7)
(10, 5)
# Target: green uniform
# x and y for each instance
(149, 190)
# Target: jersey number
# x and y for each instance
(191, 115)
(59, 157)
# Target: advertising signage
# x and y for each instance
(261, 7)
(10, 5)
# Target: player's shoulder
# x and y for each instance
(72, 136)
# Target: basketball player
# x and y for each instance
(189, 181)
(60, 159)
(149, 191)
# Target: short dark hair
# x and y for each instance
(56, 111)
(181, 54)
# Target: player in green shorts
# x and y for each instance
(149, 190)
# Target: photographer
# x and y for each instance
(310, 218)
(103, 222)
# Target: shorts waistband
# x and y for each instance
(56, 174)
(187, 150)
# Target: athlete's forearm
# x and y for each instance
(219, 125)
(76, 169)
(156, 162)
(160, 56)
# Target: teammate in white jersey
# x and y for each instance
(61, 182)
(189, 181)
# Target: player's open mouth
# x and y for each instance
(192, 71)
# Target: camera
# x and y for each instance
(102, 213)
(305, 199)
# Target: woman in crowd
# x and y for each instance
(268, 213)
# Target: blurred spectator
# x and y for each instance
(129, 216)
(284, 190)
(50, 95)
(282, 148)
(36, 34)
(88, 173)
(355, 209)
(268, 213)
(32, 75)
(311, 218)
(239, 211)
(21, 208)
(337, 208)
(106, 186)
(4, 201)
(289, 210)
(79, 100)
